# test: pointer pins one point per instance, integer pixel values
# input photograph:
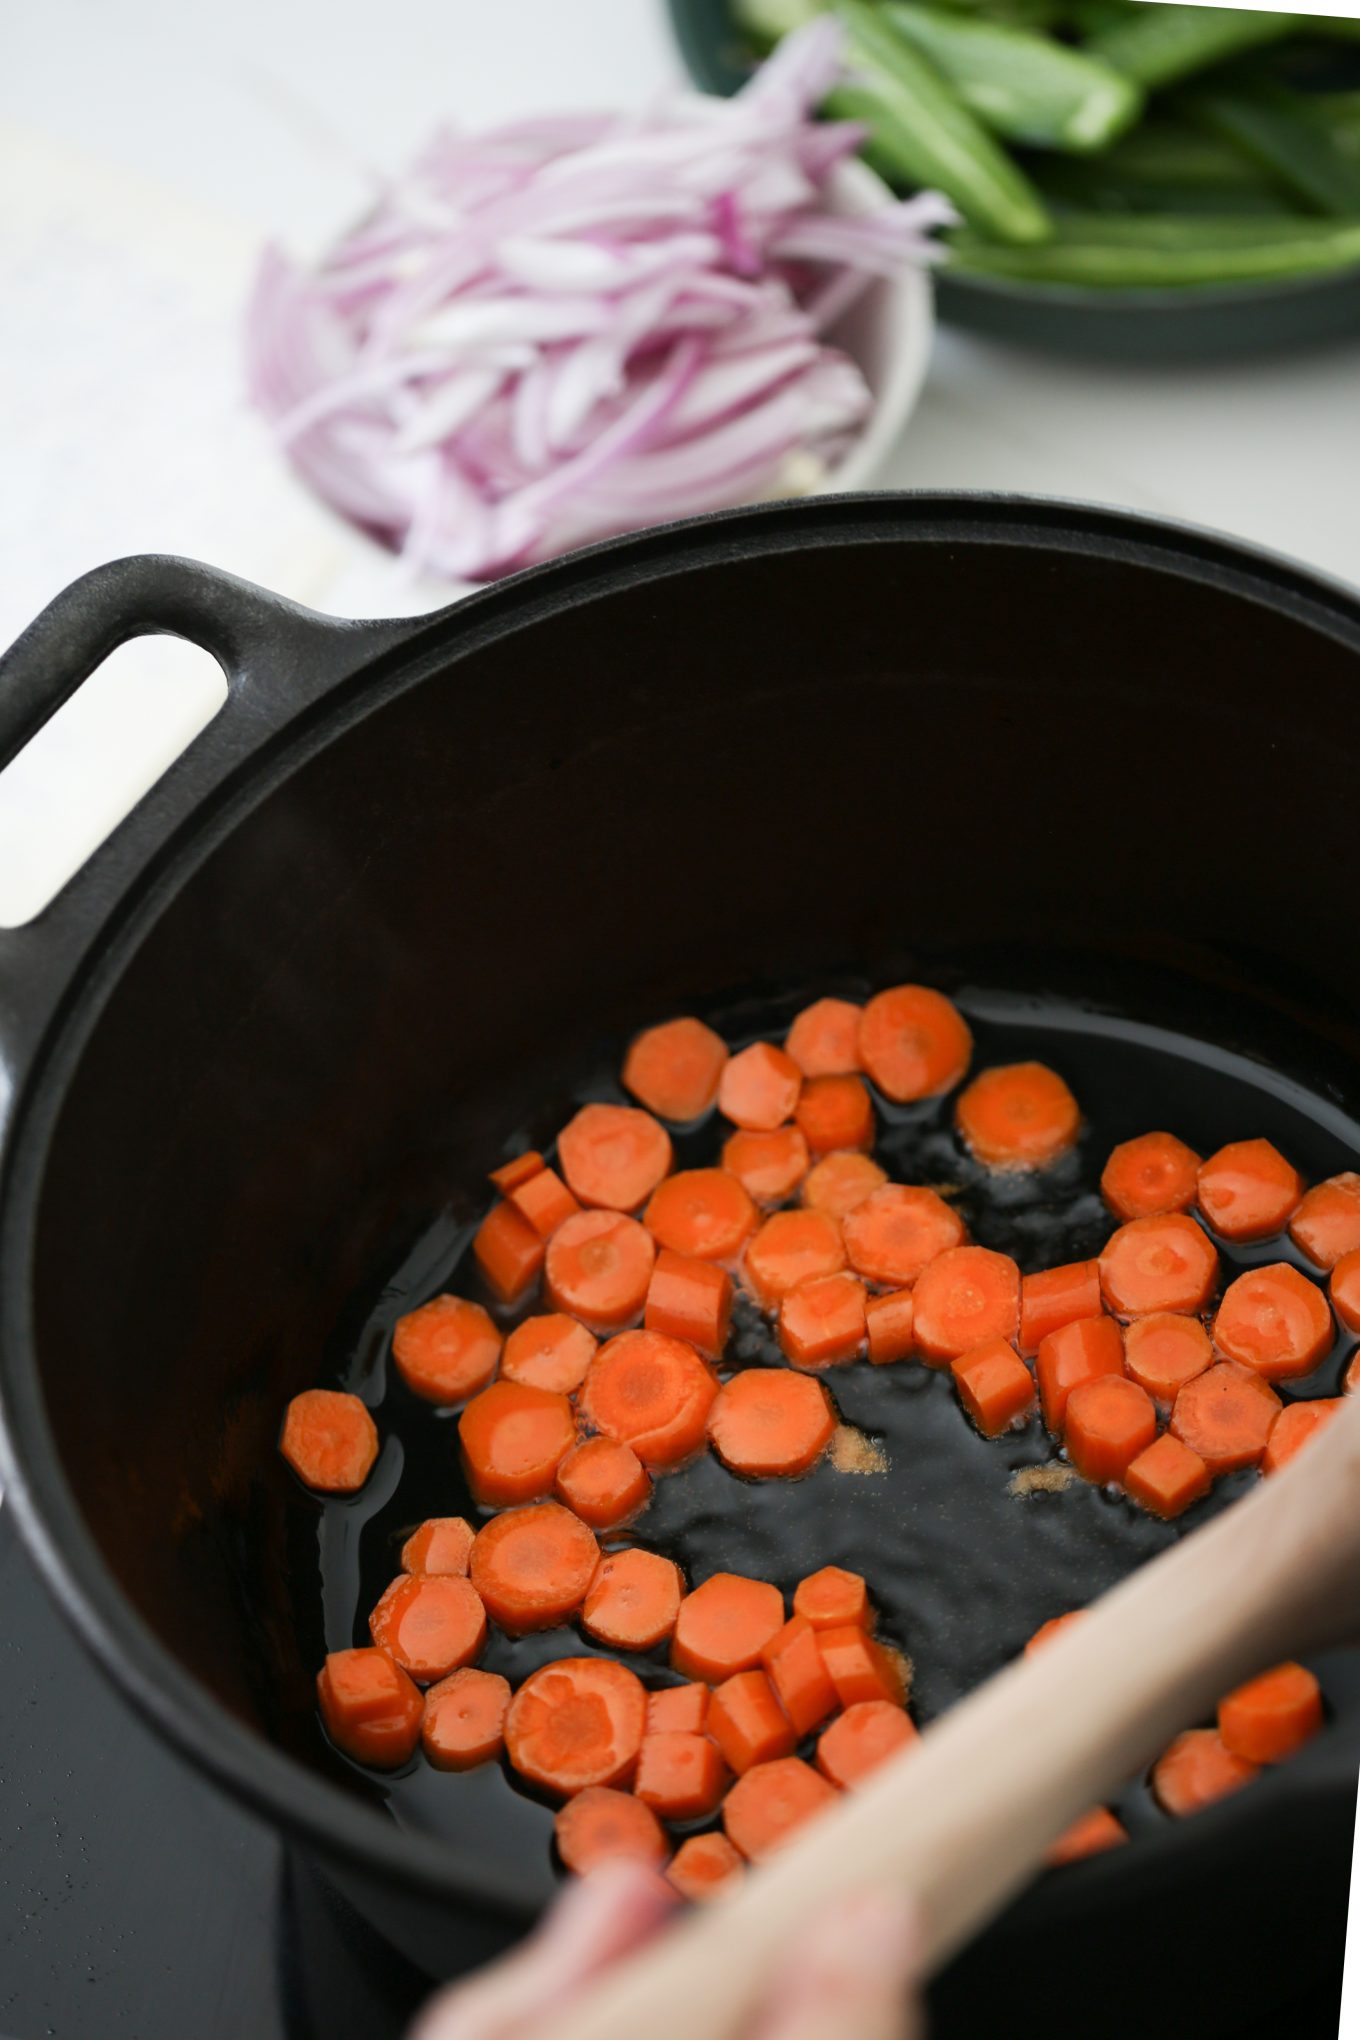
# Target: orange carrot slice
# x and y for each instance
(1056, 1297)
(822, 1322)
(702, 1213)
(747, 1722)
(1164, 1351)
(1344, 1290)
(464, 1721)
(1019, 1116)
(791, 1247)
(833, 1599)
(1109, 1422)
(1054, 1627)
(995, 1386)
(1078, 1352)
(865, 1736)
(1226, 1415)
(1197, 1769)
(602, 1825)
(603, 1482)
(651, 1392)
(965, 1296)
(1271, 1716)
(1095, 1832)
(681, 1777)
(770, 1166)
(724, 1625)
(1166, 1477)
(576, 1723)
(447, 1349)
(914, 1042)
(691, 1300)
(889, 1322)
(678, 1710)
(545, 1201)
(1295, 1425)
(769, 1424)
(860, 1669)
(633, 1600)
(1327, 1222)
(675, 1069)
(766, 1808)
(518, 1170)
(759, 1088)
(797, 1671)
(508, 1250)
(550, 1351)
(614, 1155)
(1275, 1321)
(532, 1567)
(898, 1231)
(370, 1707)
(1156, 1264)
(839, 1183)
(441, 1545)
(824, 1038)
(1248, 1190)
(705, 1866)
(430, 1623)
(330, 1440)
(513, 1438)
(598, 1268)
(1150, 1177)
(835, 1112)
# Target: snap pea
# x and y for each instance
(922, 134)
(1277, 129)
(1025, 86)
(1114, 252)
(1158, 45)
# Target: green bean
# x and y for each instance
(1161, 44)
(1148, 252)
(1277, 130)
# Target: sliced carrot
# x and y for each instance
(860, 1669)
(833, 1599)
(995, 1386)
(508, 1250)
(633, 1600)
(549, 1351)
(704, 1866)
(797, 1671)
(759, 1088)
(464, 1723)
(766, 1808)
(791, 1247)
(1248, 1190)
(1344, 1290)
(675, 1069)
(602, 1825)
(839, 1183)
(1109, 1422)
(691, 1300)
(1095, 1832)
(652, 1392)
(913, 1042)
(703, 1213)
(1197, 1769)
(1164, 1351)
(1271, 1716)
(835, 1112)
(430, 1623)
(865, 1736)
(898, 1231)
(747, 1722)
(614, 1155)
(1226, 1415)
(1166, 1477)
(603, 1482)
(598, 1268)
(1054, 1626)
(1275, 1321)
(678, 1710)
(545, 1201)
(680, 1776)
(532, 1567)
(824, 1038)
(965, 1296)
(441, 1545)
(1156, 1264)
(770, 1166)
(1327, 1222)
(821, 1321)
(724, 1625)
(1150, 1176)
(770, 1424)
(1056, 1297)
(890, 1323)
(575, 1723)
(1295, 1425)
(1018, 1116)
(370, 1707)
(513, 1438)
(1078, 1352)
(518, 1170)
(447, 1349)
(330, 1440)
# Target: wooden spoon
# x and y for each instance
(963, 1819)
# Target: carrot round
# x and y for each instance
(651, 1392)
(544, 1201)
(614, 1155)
(443, 1544)
(517, 1170)
(1055, 1297)
(691, 1300)
(1327, 1222)
(513, 1438)
(675, 1069)
(1095, 1832)
(766, 1808)
(865, 1736)
(598, 1268)
(1166, 1477)
(839, 1183)
(914, 1042)
(833, 1598)
(508, 1250)
(890, 1324)
(447, 1349)
(759, 1088)
(602, 1825)
(1109, 1422)
(769, 1424)
(1156, 1264)
(370, 1707)
(1275, 1321)
(678, 1710)
(724, 1625)
(1164, 1351)
(431, 1623)
(633, 1600)
(1226, 1415)
(860, 1669)
(824, 1038)
(550, 1351)
(680, 1776)
(1054, 1627)
(1077, 1352)
(897, 1231)
(705, 1214)
(1344, 1290)
(1271, 1716)
(1295, 1425)
(791, 1247)
(747, 1722)
(797, 1671)
(464, 1721)
(532, 1566)
(770, 1166)
(995, 1386)
(704, 1866)
(835, 1112)
(1248, 1190)
(965, 1296)
(822, 1322)
(1197, 1769)
(1150, 1176)
(576, 1723)
(330, 1440)
(1018, 1116)
(603, 1482)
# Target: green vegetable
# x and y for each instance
(1162, 152)
(1092, 17)
(1278, 130)
(768, 20)
(1025, 86)
(1339, 113)
(1090, 184)
(1153, 251)
(922, 134)
(1160, 44)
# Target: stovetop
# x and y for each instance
(136, 1901)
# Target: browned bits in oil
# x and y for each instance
(904, 1665)
(1042, 1480)
(853, 1452)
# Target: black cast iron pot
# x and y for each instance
(398, 890)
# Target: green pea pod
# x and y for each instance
(765, 21)
(922, 134)
(1025, 86)
(1278, 130)
(1159, 252)
(1158, 45)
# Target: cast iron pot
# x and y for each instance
(415, 869)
